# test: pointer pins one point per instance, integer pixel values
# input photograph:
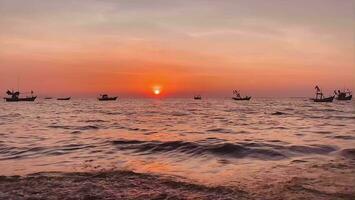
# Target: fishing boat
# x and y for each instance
(47, 98)
(64, 99)
(238, 97)
(198, 97)
(105, 97)
(343, 95)
(327, 99)
(320, 97)
(15, 97)
(241, 98)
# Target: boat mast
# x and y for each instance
(18, 83)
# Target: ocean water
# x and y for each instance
(212, 141)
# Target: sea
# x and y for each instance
(253, 144)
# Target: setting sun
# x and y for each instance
(184, 99)
(156, 91)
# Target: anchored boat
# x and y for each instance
(15, 96)
(343, 95)
(64, 99)
(320, 97)
(198, 97)
(238, 97)
(327, 99)
(105, 97)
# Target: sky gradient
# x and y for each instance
(263, 48)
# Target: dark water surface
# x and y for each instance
(212, 141)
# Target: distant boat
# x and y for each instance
(48, 98)
(64, 99)
(198, 97)
(240, 98)
(343, 95)
(15, 97)
(105, 97)
(327, 99)
(320, 97)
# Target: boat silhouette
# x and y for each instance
(238, 97)
(198, 97)
(64, 99)
(15, 97)
(320, 97)
(105, 97)
(343, 95)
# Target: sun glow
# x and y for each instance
(156, 91)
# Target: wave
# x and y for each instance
(348, 153)
(278, 113)
(94, 120)
(336, 117)
(263, 151)
(220, 130)
(178, 114)
(9, 153)
(86, 127)
(11, 115)
(344, 137)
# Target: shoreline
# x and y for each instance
(120, 184)
(108, 185)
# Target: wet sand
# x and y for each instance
(108, 185)
(330, 180)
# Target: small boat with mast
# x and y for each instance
(343, 95)
(105, 97)
(15, 96)
(320, 97)
(238, 97)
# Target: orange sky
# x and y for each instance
(83, 48)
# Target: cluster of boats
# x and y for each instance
(14, 96)
(236, 97)
(344, 95)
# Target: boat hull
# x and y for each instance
(108, 99)
(328, 99)
(345, 98)
(20, 99)
(64, 99)
(241, 99)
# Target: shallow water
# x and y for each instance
(213, 141)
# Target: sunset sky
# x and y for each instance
(184, 47)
